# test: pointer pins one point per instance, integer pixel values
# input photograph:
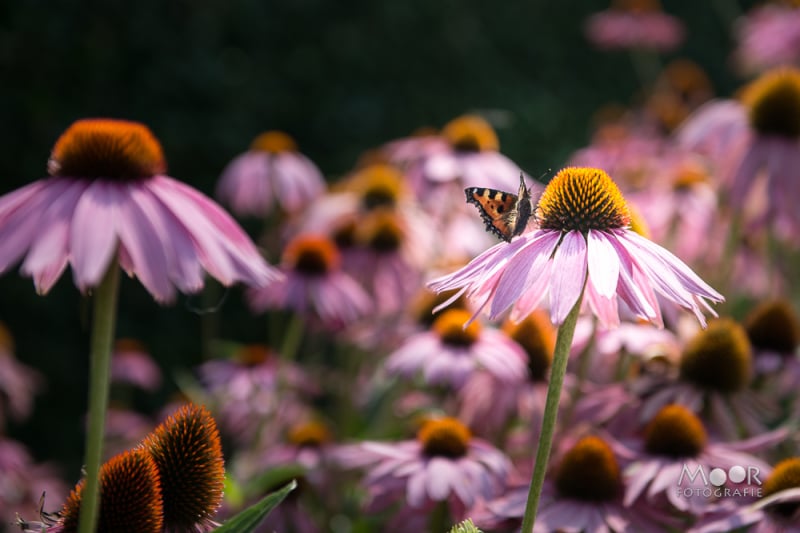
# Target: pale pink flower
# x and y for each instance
(19, 383)
(272, 173)
(109, 201)
(449, 353)
(669, 460)
(582, 239)
(768, 36)
(314, 285)
(444, 464)
(584, 493)
(631, 24)
(132, 364)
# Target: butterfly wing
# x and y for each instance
(495, 207)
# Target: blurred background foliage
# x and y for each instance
(340, 76)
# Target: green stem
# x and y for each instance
(103, 324)
(557, 372)
(292, 337)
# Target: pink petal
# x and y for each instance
(93, 232)
(568, 276)
(603, 263)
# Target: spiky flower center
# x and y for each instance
(773, 326)
(785, 475)
(688, 176)
(580, 199)
(273, 142)
(450, 327)
(130, 496)
(675, 432)
(378, 185)
(253, 355)
(107, 148)
(444, 437)
(536, 334)
(589, 471)
(718, 358)
(311, 255)
(470, 133)
(381, 231)
(187, 451)
(127, 344)
(311, 434)
(773, 103)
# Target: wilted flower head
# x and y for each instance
(108, 201)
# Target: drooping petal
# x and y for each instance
(94, 232)
(568, 276)
(603, 263)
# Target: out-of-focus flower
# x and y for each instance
(680, 88)
(449, 352)
(714, 374)
(132, 364)
(754, 139)
(108, 200)
(18, 382)
(631, 24)
(314, 285)
(674, 442)
(584, 494)
(582, 239)
(271, 173)
(124, 429)
(444, 464)
(768, 36)
(777, 511)
(773, 329)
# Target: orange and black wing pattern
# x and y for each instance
(496, 209)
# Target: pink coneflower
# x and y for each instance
(755, 140)
(675, 441)
(773, 329)
(777, 511)
(246, 390)
(444, 464)
(315, 285)
(582, 238)
(473, 158)
(584, 494)
(715, 371)
(769, 36)
(449, 352)
(132, 364)
(109, 200)
(631, 24)
(271, 173)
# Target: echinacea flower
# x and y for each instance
(131, 497)
(272, 172)
(777, 511)
(582, 239)
(445, 463)
(631, 24)
(773, 328)
(314, 285)
(187, 453)
(768, 36)
(107, 200)
(664, 463)
(19, 383)
(449, 353)
(132, 364)
(714, 375)
(584, 494)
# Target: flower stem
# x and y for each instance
(103, 324)
(557, 372)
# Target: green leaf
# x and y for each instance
(273, 478)
(249, 519)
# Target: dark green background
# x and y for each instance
(341, 77)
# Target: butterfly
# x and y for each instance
(505, 214)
